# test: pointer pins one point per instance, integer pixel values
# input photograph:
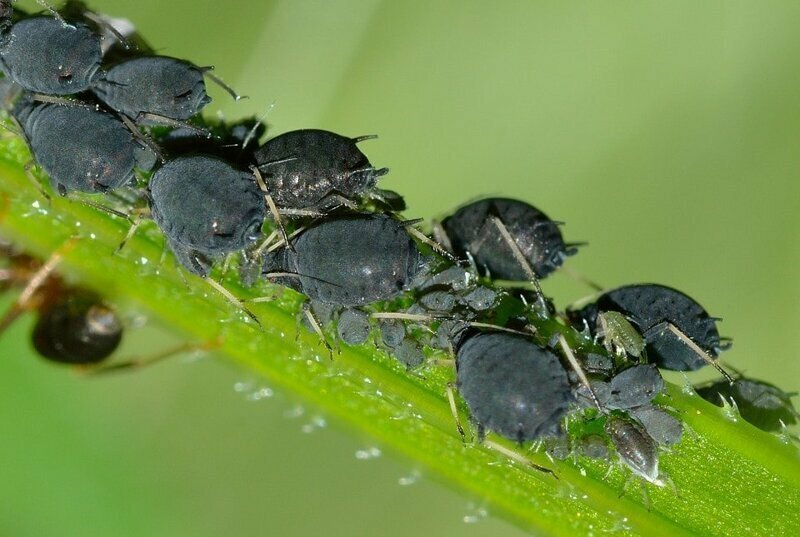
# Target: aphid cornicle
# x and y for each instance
(206, 208)
(316, 169)
(473, 229)
(511, 385)
(47, 55)
(330, 263)
(679, 334)
(80, 147)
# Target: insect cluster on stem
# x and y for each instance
(118, 127)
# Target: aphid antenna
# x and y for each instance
(101, 207)
(129, 235)
(54, 99)
(516, 457)
(233, 300)
(417, 317)
(451, 399)
(578, 277)
(364, 138)
(700, 352)
(251, 134)
(207, 71)
(56, 15)
(498, 328)
(36, 281)
(573, 362)
(526, 267)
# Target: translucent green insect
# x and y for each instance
(620, 338)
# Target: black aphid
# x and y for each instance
(48, 55)
(348, 261)
(80, 147)
(316, 169)
(153, 88)
(662, 427)
(512, 386)
(631, 388)
(206, 208)
(475, 229)
(679, 333)
(762, 404)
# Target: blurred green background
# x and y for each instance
(664, 134)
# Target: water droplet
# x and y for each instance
(92, 236)
(368, 453)
(294, 412)
(143, 260)
(475, 514)
(410, 479)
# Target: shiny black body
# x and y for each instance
(512, 386)
(206, 208)
(310, 168)
(650, 307)
(349, 261)
(471, 231)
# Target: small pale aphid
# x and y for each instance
(619, 336)
(636, 449)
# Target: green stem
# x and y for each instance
(730, 477)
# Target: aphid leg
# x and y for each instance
(35, 283)
(129, 235)
(233, 300)
(100, 207)
(694, 347)
(312, 320)
(578, 277)
(151, 359)
(207, 71)
(440, 236)
(518, 255)
(645, 495)
(573, 362)
(452, 400)
(251, 134)
(271, 205)
(145, 140)
(438, 248)
(226, 265)
(516, 457)
(35, 182)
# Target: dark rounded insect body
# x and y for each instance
(474, 230)
(315, 169)
(636, 449)
(46, 55)
(206, 208)
(80, 329)
(349, 261)
(158, 85)
(512, 386)
(81, 148)
(762, 404)
(670, 322)
(74, 326)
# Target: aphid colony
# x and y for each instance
(103, 114)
